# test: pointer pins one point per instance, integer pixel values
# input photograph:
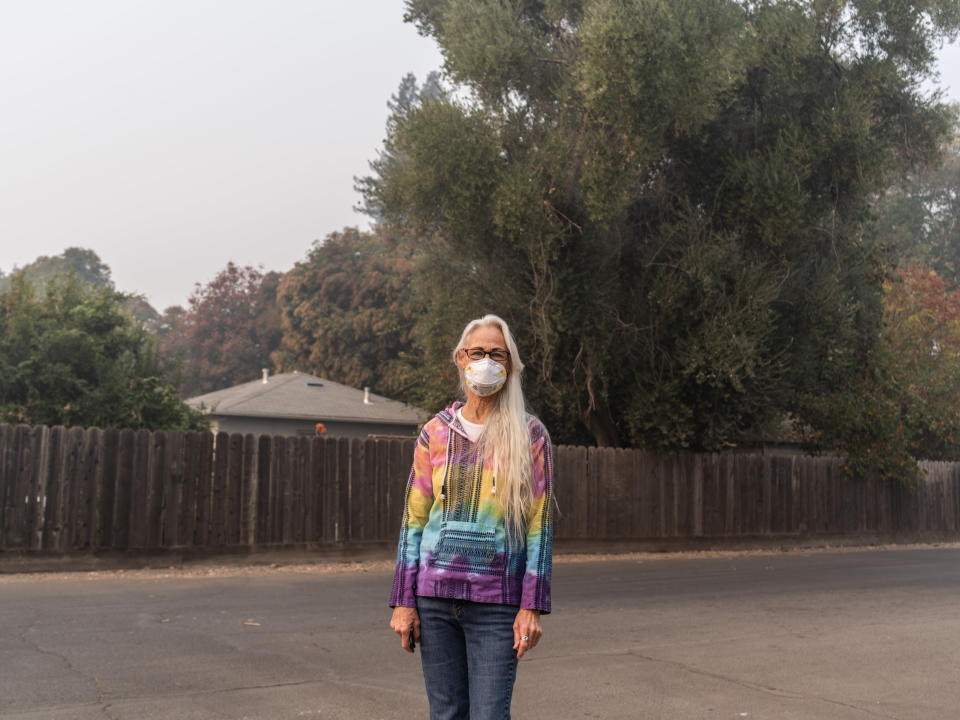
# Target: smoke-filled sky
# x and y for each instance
(172, 136)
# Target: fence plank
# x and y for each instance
(16, 511)
(218, 503)
(233, 491)
(248, 506)
(955, 506)
(657, 497)
(564, 490)
(391, 473)
(70, 470)
(126, 463)
(596, 487)
(30, 462)
(83, 488)
(187, 517)
(343, 490)
(300, 458)
(331, 498)
(309, 490)
(380, 488)
(287, 482)
(105, 493)
(7, 463)
(264, 480)
(38, 483)
(139, 489)
(51, 488)
(627, 471)
(156, 490)
(615, 494)
(686, 492)
(172, 488)
(204, 491)
(297, 473)
(758, 482)
(364, 497)
(28, 468)
(398, 470)
(769, 486)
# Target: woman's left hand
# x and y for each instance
(527, 625)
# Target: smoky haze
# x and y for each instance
(171, 137)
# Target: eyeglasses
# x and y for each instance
(478, 353)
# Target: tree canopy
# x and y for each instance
(73, 356)
(87, 267)
(905, 401)
(228, 332)
(666, 199)
(349, 313)
(919, 216)
(83, 262)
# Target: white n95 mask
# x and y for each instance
(484, 377)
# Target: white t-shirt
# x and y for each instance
(472, 430)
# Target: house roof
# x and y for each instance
(299, 396)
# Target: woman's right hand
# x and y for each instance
(405, 620)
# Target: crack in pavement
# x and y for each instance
(31, 626)
(66, 662)
(766, 689)
(220, 691)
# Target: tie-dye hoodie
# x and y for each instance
(452, 543)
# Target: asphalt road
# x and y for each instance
(831, 636)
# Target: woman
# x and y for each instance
(474, 558)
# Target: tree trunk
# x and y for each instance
(600, 424)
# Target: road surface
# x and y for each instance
(824, 635)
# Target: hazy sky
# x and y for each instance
(171, 136)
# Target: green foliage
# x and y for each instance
(905, 402)
(919, 217)
(348, 314)
(85, 264)
(72, 356)
(667, 200)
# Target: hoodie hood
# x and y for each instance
(448, 416)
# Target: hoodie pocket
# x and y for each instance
(465, 546)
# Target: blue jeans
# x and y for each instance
(469, 664)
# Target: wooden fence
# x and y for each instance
(80, 490)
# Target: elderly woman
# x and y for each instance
(474, 559)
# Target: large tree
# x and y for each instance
(349, 313)
(919, 216)
(905, 402)
(83, 262)
(228, 332)
(665, 197)
(73, 356)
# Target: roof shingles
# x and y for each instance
(305, 397)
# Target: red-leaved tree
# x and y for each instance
(348, 313)
(905, 404)
(227, 333)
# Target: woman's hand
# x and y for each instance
(403, 621)
(527, 625)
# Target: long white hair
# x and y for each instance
(506, 436)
